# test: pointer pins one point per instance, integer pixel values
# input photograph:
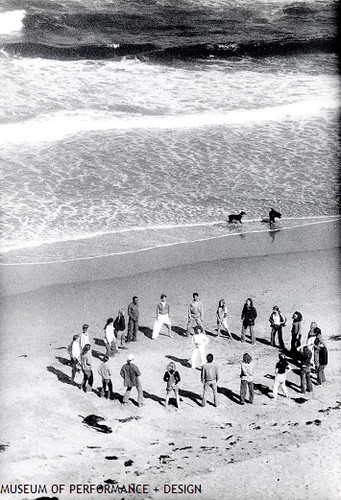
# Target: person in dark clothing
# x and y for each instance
(305, 357)
(296, 333)
(119, 327)
(172, 378)
(131, 376)
(249, 315)
(133, 321)
(322, 361)
(277, 321)
(280, 377)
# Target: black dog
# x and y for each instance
(274, 215)
(236, 217)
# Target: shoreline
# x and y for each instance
(25, 277)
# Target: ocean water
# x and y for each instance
(125, 115)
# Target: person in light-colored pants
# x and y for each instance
(162, 317)
(200, 341)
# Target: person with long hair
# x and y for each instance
(246, 378)
(296, 333)
(109, 338)
(248, 316)
(222, 319)
(277, 321)
(172, 378)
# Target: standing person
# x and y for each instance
(74, 349)
(133, 320)
(84, 337)
(310, 341)
(246, 378)
(162, 317)
(200, 340)
(86, 364)
(296, 333)
(322, 361)
(172, 377)
(222, 318)
(280, 376)
(195, 314)
(105, 373)
(209, 377)
(130, 374)
(305, 358)
(109, 338)
(248, 316)
(119, 327)
(277, 321)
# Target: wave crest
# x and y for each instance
(11, 21)
(56, 127)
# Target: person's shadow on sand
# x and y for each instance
(64, 361)
(183, 362)
(180, 331)
(62, 377)
(158, 399)
(232, 396)
(190, 395)
(147, 332)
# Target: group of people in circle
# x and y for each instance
(310, 354)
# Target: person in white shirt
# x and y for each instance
(109, 338)
(74, 349)
(162, 317)
(200, 340)
(84, 337)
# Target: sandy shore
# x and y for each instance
(285, 449)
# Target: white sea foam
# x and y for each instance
(163, 245)
(11, 21)
(316, 219)
(57, 126)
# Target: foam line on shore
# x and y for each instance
(22, 278)
(36, 244)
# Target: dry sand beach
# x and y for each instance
(285, 449)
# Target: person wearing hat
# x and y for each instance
(86, 365)
(277, 321)
(84, 337)
(130, 374)
(172, 377)
(280, 377)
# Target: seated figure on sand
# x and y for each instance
(162, 317)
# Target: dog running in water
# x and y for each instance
(236, 217)
(274, 215)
